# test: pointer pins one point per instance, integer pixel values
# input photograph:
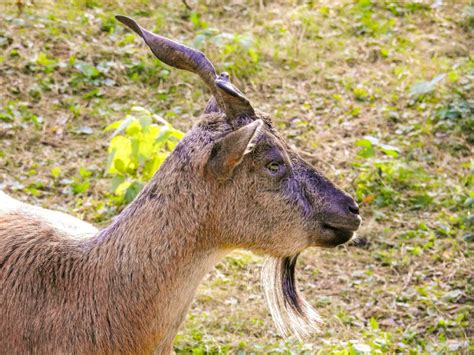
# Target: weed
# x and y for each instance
(139, 145)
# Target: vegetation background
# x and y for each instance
(376, 93)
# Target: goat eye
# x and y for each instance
(274, 167)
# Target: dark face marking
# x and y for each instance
(327, 214)
(326, 208)
(272, 202)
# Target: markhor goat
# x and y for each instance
(232, 182)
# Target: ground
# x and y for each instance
(375, 93)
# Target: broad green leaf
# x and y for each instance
(120, 149)
(389, 150)
(110, 160)
(152, 165)
(132, 191)
(122, 187)
(80, 187)
(145, 122)
(115, 125)
(373, 323)
(120, 166)
(367, 150)
(116, 182)
(134, 127)
(366, 143)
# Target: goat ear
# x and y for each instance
(229, 152)
(212, 106)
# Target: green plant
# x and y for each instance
(369, 22)
(81, 183)
(19, 114)
(139, 145)
(385, 179)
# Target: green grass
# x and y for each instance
(377, 94)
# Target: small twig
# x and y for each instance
(408, 277)
(51, 143)
(187, 5)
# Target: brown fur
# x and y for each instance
(128, 288)
(232, 182)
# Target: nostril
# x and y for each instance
(354, 209)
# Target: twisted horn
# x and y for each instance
(228, 97)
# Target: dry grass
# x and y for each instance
(330, 73)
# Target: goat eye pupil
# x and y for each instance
(273, 166)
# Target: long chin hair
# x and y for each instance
(290, 312)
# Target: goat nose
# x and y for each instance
(353, 208)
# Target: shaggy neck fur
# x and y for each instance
(155, 262)
(126, 290)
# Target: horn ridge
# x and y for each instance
(228, 98)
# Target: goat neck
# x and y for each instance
(157, 253)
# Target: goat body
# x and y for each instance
(232, 182)
(62, 221)
(122, 290)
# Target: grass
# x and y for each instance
(377, 94)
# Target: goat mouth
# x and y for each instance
(341, 235)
